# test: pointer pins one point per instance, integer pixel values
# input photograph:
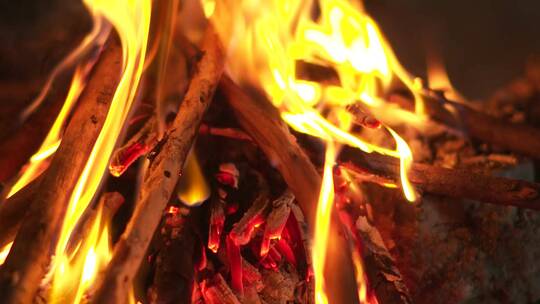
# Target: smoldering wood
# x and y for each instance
(162, 175)
(456, 183)
(29, 257)
(141, 143)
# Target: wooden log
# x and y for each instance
(520, 138)
(457, 183)
(29, 257)
(162, 175)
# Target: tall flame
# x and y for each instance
(322, 225)
(131, 19)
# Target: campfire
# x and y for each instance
(221, 152)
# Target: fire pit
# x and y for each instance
(263, 152)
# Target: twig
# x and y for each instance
(162, 175)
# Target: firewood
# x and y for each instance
(457, 183)
(216, 291)
(276, 220)
(138, 145)
(29, 257)
(13, 210)
(162, 175)
(224, 132)
(519, 138)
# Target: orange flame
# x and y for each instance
(438, 78)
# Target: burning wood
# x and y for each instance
(216, 291)
(19, 279)
(243, 239)
(519, 138)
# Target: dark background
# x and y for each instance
(484, 43)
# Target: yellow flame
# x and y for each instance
(270, 37)
(192, 188)
(360, 276)
(406, 161)
(208, 7)
(322, 225)
(4, 252)
(131, 19)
